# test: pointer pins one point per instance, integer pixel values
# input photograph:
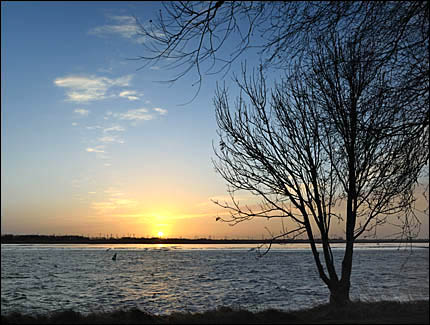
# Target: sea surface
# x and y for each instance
(165, 278)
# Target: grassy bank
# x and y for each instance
(416, 312)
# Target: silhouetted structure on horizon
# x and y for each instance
(69, 239)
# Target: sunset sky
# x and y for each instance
(90, 144)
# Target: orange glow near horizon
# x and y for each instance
(119, 212)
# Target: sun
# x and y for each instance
(160, 234)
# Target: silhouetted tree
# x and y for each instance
(208, 36)
(347, 125)
(335, 132)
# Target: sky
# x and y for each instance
(93, 145)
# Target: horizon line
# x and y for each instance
(129, 239)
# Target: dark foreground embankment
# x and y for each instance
(416, 312)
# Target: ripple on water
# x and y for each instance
(174, 280)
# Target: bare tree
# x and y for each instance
(208, 36)
(334, 133)
(349, 123)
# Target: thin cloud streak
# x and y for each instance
(82, 111)
(93, 127)
(123, 26)
(81, 89)
(115, 128)
(110, 139)
(161, 111)
(140, 114)
(97, 149)
(129, 94)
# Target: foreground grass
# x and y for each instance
(383, 312)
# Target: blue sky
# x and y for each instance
(89, 143)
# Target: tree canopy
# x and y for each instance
(346, 129)
(197, 36)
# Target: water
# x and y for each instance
(165, 278)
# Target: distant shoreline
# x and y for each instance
(45, 239)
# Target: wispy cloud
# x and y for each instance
(129, 94)
(136, 115)
(82, 89)
(115, 202)
(161, 111)
(82, 111)
(115, 128)
(113, 191)
(93, 127)
(111, 139)
(98, 149)
(123, 26)
(140, 114)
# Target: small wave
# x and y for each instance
(193, 278)
(15, 277)
(20, 297)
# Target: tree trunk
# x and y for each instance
(339, 293)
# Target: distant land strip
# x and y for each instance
(71, 239)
